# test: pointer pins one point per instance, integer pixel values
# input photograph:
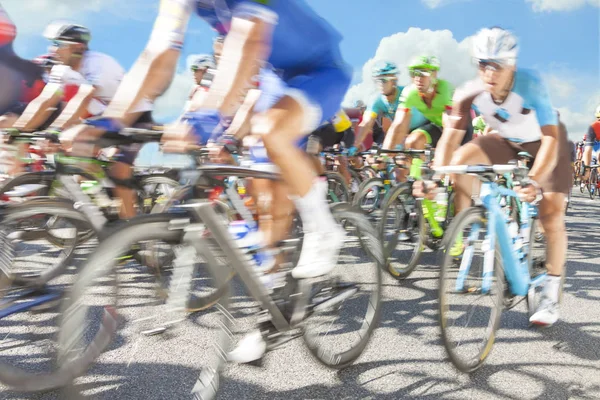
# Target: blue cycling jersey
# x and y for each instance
(301, 40)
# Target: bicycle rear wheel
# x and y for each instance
(340, 325)
(593, 183)
(337, 190)
(461, 286)
(403, 231)
(370, 195)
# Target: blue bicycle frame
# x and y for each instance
(514, 260)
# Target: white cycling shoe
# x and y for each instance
(546, 314)
(320, 251)
(250, 348)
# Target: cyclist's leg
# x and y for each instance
(309, 100)
(485, 150)
(121, 172)
(556, 187)
(347, 139)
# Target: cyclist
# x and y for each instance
(292, 38)
(203, 69)
(515, 102)
(385, 74)
(428, 94)
(592, 142)
(97, 76)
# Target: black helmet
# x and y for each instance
(68, 32)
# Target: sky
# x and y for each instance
(559, 38)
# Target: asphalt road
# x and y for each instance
(405, 358)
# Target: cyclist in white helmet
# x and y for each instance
(515, 103)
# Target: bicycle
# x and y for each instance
(409, 225)
(508, 267)
(591, 184)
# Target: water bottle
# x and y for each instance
(250, 239)
(441, 200)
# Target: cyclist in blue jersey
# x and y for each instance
(515, 103)
(385, 104)
(296, 42)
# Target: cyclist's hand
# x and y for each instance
(352, 151)
(425, 189)
(529, 192)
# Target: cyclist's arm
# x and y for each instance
(455, 124)
(41, 108)
(547, 155)
(398, 130)
(365, 126)
(153, 71)
(246, 47)
(240, 126)
(76, 108)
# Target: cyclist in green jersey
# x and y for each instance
(385, 74)
(431, 96)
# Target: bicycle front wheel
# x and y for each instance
(469, 306)
(344, 309)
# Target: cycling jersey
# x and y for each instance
(593, 134)
(341, 122)
(520, 116)
(411, 98)
(380, 106)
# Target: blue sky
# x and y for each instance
(558, 37)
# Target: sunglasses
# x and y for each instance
(419, 72)
(60, 44)
(384, 80)
(485, 65)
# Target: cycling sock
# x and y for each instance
(313, 208)
(552, 287)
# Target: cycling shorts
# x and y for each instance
(128, 153)
(329, 137)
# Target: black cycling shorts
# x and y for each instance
(329, 137)
(128, 153)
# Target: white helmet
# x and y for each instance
(68, 32)
(598, 112)
(495, 44)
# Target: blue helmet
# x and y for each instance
(384, 68)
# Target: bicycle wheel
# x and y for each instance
(369, 196)
(368, 172)
(28, 229)
(536, 262)
(355, 181)
(592, 185)
(468, 347)
(88, 314)
(403, 231)
(42, 181)
(336, 334)
(155, 189)
(337, 190)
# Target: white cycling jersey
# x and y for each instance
(99, 70)
(521, 115)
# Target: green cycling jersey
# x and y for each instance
(442, 101)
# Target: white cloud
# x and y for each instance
(577, 122)
(561, 5)
(559, 87)
(37, 14)
(401, 47)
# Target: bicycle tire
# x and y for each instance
(464, 219)
(62, 208)
(101, 263)
(153, 180)
(374, 185)
(335, 181)
(593, 184)
(391, 198)
(343, 212)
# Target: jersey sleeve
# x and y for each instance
(171, 24)
(540, 100)
(375, 108)
(261, 9)
(462, 101)
(406, 101)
